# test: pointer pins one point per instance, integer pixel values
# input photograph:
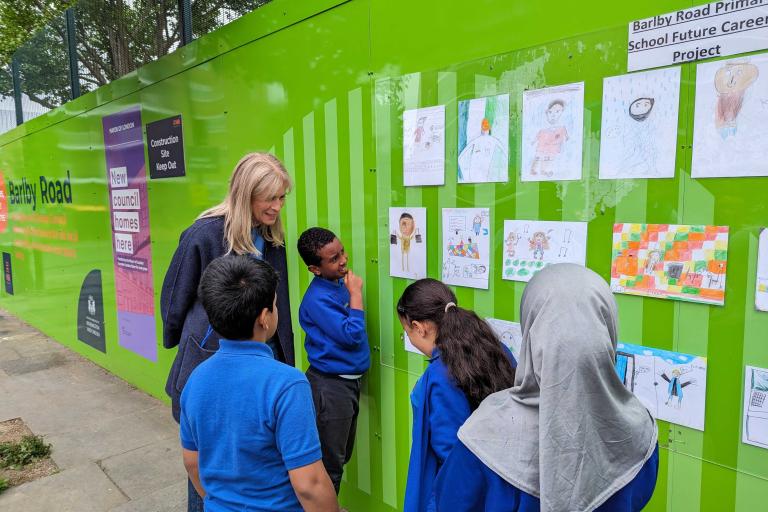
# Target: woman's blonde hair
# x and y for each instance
(256, 175)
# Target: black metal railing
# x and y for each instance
(98, 41)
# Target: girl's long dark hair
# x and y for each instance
(473, 354)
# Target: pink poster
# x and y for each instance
(131, 249)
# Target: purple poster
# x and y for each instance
(129, 211)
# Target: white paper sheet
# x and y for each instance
(553, 133)
(484, 140)
(424, 146)
(672, 385)
(509, 333)
(639, 125)
(729, 122)
(408, 242)
(755, 414)
(466, 246)
(531, 245)
(761, 288)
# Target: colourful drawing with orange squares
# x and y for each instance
(670, 261)
(464, 250)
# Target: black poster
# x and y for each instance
(166, 148)
(7, 273)
(90, 312)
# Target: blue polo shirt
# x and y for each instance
(251, 420)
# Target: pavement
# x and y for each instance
(116, 447)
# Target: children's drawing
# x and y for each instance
(553, 127)
(729, 122)
(731, 83)
(466, 246)
(761, 291)
(531, 245)
(755, 416)
(671, 385)
(639, 125)
(408, 242)
(484, 139)
(670, 261)
(509, 333)
(424, 146)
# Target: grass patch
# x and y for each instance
(4, 484)
(21, 453)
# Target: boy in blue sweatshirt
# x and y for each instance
(332, 316)
(247, 441)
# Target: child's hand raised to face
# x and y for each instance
(353, 282)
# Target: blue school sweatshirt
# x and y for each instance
(465, 484)
(439, 409)
(336, 341)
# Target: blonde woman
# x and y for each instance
(246, 222)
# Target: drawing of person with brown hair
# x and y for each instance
(539, 243)
(512, 239)
(407, 233)
(549, 141)
(731, 82)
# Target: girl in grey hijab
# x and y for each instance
(568, 436)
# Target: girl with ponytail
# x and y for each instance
(468, 363)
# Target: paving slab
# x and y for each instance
(116, 447)
(147, 469)
(84, 488)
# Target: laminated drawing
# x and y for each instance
(672, 385)
(670, 261)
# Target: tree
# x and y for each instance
(113, 38)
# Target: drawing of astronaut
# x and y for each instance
(731, 83)
(675, 388)
(539, 243)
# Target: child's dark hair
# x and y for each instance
(473, 354)
(406, 215)
(311, 241)
(234, 290)
(556, 102)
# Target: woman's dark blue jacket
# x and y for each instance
(185, 322)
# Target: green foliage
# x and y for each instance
(113, 38)
(4, 484)
(23, 452)
(20, 18)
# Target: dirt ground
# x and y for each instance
(12, 431)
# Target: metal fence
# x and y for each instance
(98, 41)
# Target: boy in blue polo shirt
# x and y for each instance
(331, 314)
(248, 442)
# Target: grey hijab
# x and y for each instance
(568, 431)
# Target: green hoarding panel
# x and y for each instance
(323, 85)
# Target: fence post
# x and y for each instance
(16, 90)
(185, 21)
(74, 74)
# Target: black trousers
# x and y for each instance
(337, 402)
